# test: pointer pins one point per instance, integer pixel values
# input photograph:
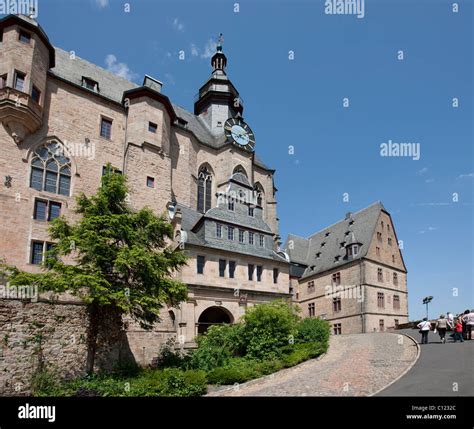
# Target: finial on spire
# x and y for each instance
(220, 41)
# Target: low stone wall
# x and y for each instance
(53, 335)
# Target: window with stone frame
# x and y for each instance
(311, 309)
(232, 266)
(204, 192)
(380, 300)
(396, 302)
(222, 267)
(379, 275)
(24, 37)
(200, 263)
(261, 240)
(106, 128)
(337, 329)
(336, 279)
(389, 241)
(35, 94)
(251, 238)
(395, 279)
(377, 251)
(336, 304)
(218, 230)
(19, 81)
(275, 275)
(51, 169)
(46, 210)
(259, 273)
(241, 236)
(311, 287)
(379, 236)
(38, 251)
(230, 232)
(250, 270)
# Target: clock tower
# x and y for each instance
(218, 99)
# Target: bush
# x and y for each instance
(238, 370)
(216, 346)
(310, 330)
(267, 328)
(169, 357)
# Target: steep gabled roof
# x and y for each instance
(326, 249)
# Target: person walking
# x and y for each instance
(469, 321)
(424, 327)
(450, 318)
(458, 331)
(441, 326)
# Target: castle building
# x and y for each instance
(64, 119)
(351, 273)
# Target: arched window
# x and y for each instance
(51, 169)
(204, 197)
(241, 170)
(259, 195)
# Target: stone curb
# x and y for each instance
(264, 378)
(418, 352)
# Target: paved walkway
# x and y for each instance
(355, 365)
(442, 370)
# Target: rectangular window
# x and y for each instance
(395, 279)
(377, 251)
(379, 236)
(251, 269)
(150, 182)
(241, 235)
(106, 128)
(337, 329)
(311, 287)
(251, 238)
(201, 260)
(46, 210)
(336, 304)
(222, 266)
(336, 279)
(389, 240)
(24, 37)
(259, 273)
(54, 210)
(311, 310)
(379, 275)
(396, 323)
(275, 275)
(40, 210)
(218, 230)
(3, 81)
(64, 185)
(230, 204)
(231, 269)
(230, 232)
(251, 211)
(396, 302)
(36, 94)
(261, 240)
(19, 81)
(380, 300)
(90, 84)
(152, 127)
(37, 252)
(381, 325)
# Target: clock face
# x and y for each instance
(238, 132)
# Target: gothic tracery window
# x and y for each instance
(51, 169)
(204, 197)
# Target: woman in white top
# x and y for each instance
(424, 327)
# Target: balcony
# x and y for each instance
(19, 113)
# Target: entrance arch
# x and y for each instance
(213, 316)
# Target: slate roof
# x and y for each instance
(320, 249)
(222, 214)
(112, 87)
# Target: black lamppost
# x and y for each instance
(426, 301)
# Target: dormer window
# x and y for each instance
(327, 234)
(353, 250)
(323, 244)
(90, 84)
(336, 258)
(347, 233)
(24, 37)
(351, 222)
(318, 255)
(343, 244)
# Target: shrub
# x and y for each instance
(310, 330)
(237, 370)
(267, 328)
(169, 357)
(216, 346)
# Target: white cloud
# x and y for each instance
(466, 176)
(194, 50)
(178, 25)
(119, 69)
(101, 3)
(422, 171)
(209, 49)
(429, 180)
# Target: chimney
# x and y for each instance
(152, 83)
(348, 215)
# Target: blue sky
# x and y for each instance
(299, 102)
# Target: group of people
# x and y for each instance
(461, 325)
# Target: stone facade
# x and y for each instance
(51, 100)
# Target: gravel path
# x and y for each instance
(355, 365)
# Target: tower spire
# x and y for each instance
(219, 60)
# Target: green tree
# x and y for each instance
(122, 260)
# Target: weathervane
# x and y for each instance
(220, 41)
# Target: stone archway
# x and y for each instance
(213, 316)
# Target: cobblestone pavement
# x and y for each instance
(355, 365)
